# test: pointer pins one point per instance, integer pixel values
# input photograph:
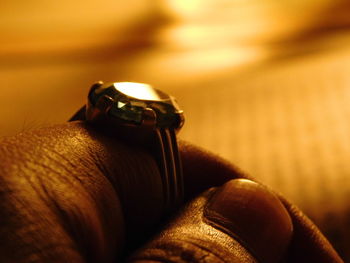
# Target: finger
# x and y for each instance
(78, 189)
(203, 170)
(308, 243)
(241, 222)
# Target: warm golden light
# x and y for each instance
(187, 8)
(137, 90)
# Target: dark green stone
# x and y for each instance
(129, 107)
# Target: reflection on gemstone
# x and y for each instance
(139, 91)
(129, 107)
(131, 114)
(120, 104)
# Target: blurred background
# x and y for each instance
(265, 84)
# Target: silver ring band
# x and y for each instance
(170, 168)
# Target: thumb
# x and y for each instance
(241, 221)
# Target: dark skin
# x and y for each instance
(69, 193)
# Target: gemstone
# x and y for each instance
(130, 99)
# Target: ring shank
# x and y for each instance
(171, 170)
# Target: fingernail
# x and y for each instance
(253, 215)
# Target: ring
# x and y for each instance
(142, 115)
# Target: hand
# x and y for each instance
(70, 194)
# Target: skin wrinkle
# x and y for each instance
(209, 252)
(38, 169)
(117, 176)
(180, 251)
(125, 175)
(32, 168)
(210, 217)
(29, 232)
(100, 169)
(64, 218)
(79, 157)
(28, 161)
(56, 155)
(100, 165)
(189, 233)
(213, 239)
(100, 159)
